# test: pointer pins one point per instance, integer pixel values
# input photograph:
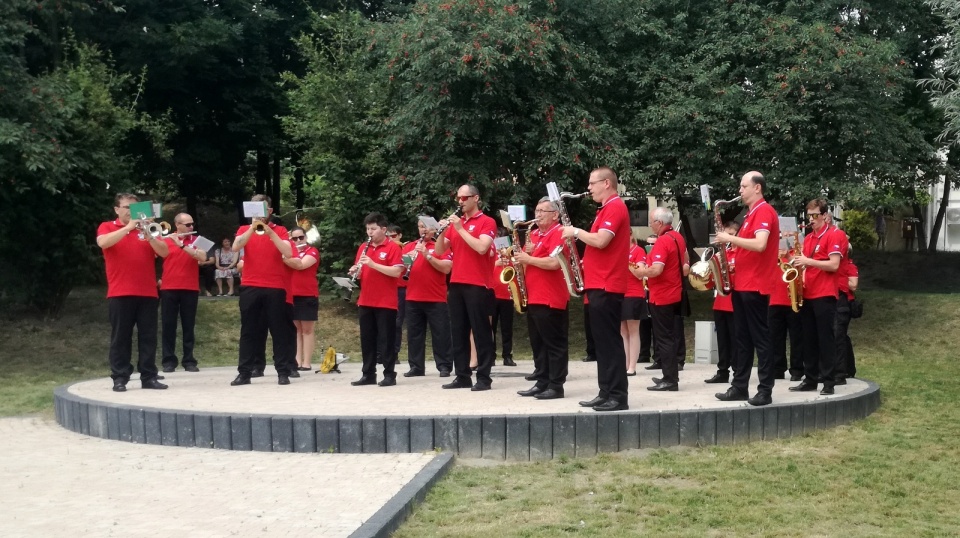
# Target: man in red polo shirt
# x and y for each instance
(427, 304)
(179, 294)
(131, 294)
(756, 255)
(470, 295)
(605, 282)
(380, 265)
(548, 320)
(823, 250)
(264, 294)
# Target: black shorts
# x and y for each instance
(305, 308)
(634, 308)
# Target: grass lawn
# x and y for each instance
(895, 473)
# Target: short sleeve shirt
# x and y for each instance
(180, 270)
(378, 290)
(263, 265)
(546, 287)
(754, 268)
(820, 246)
(426, 284)
(634, 284)
(603, 268)
(129, 264)
(305, 281)
(667, 288)
(470, 266)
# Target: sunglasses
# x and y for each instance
(187, 224)
(391, 235)
(814, 215)
(465, 198)
(297, 237)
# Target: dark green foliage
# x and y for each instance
(859, 227)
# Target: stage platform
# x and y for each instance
(324, 413)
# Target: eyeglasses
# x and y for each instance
(297, 237)
(124, 207)
(187, 224)
(465, 198)
(391, 236)
(595, 182)
(540, 211)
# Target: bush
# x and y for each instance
(859, 226)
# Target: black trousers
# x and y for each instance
(591, 346)
(263, 310)
(783, 321)
(125, 313)
(470, 308)
(437, 315)
(605, 311)
(549, 331)
(819, 343)
(725, 325)
(646, 338)
(750, 310)
(666, 338)
(846, 362)
(503, 317)
(681, 337)
(174, 304)
(401, 315)
(377, 326)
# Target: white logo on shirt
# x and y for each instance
(383, 255)
(472, 226)
(764, 224)
(608, 223)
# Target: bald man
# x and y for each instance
(179, 293)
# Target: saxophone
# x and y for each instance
(571, 267)
(713, 270)
(792, 276)
(512, 273)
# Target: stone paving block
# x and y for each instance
(564, 436)
(113, 423)
(469, 437)
(138, 425)
(809, 418)
(282, 429)
(84, 419)
(771, 418)
(756, 424)
(203, 431)
(741, 425)
(75, 422)
(421, 434)
(707, 428)
(796, 420)
(445, 433)
(585, 435)
(689, 425)
(124, 422)
(351, 435)
(608, 432)
(240, 433)
(261, 434)
(168, 428)
(541, 438)
(830, 410)
(494, 438)
(151, 427)
(185, 430)
(328, 435)
(98, 421)
(518, 438)
(649, 430)
(842, 413)
(669, 428)
(398, 435)
(821, 411)
(68, 416)
(374, 435)
(222, 432)
(304, 434)
(724, 426)
(784, 424)
(628, 431)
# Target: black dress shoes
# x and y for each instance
(804, 387)
(168, 369)
(840, 381)
(733, 394)
(416, 373)
(588, 358)
(152, 384)
(240, 380)
(119, 385)
(256, 374)
(594, 402)
(364, 381)
(549, 394)
(387, 382)
(664, 387)
(458, 384)
(294, 373)
(532, 391)
(305, 368)
(531, 377)
(680, 364)
(760, 398)
(827, 390)
(654, 366)
(480, 386)
(719, 377)
(508, 361)
(796, 377)
(283, 380)
(611, 405)
(191, 368)
(444, 373)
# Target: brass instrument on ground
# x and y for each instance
(512, 273)
(571, 267)
(713, 270)
(792, 276)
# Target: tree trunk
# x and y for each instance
(297, 180)
(921, 235)
(263, 172)
(941, 211)
(275, 191)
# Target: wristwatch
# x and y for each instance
(182, 246)
(576, 233)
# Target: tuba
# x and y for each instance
(713, 270)
(309, 230)
(512, 274)
(792, 276)
(571, 267)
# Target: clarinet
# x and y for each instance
(458, 212)
(406, 274)
(353, 279)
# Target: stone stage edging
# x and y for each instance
(495, 436)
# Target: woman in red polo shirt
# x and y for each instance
(304, 262)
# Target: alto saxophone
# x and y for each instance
(792, 276)
(512, 273)
(571, 267)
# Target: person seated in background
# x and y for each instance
(226, 260)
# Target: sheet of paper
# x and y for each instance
(344, 282)
(202, 243)
(254, 209)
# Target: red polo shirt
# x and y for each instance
(634, 284)
(263, 265)
(426, 284)
(470, 266)
(780, 293)
(546, 287)
(753, 268)
(721, 302)
(666, 288)
(378, 290)
(180, 270)
(304, 282)
(849, 271)
(129, 264)
(819, 246)
(500, 290)
(603, 269)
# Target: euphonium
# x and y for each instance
(792, 276)
(512, 274)
(309, 230)
(713, 271)
(570, 267)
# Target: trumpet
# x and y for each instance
(259, 227)
(155, 230)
